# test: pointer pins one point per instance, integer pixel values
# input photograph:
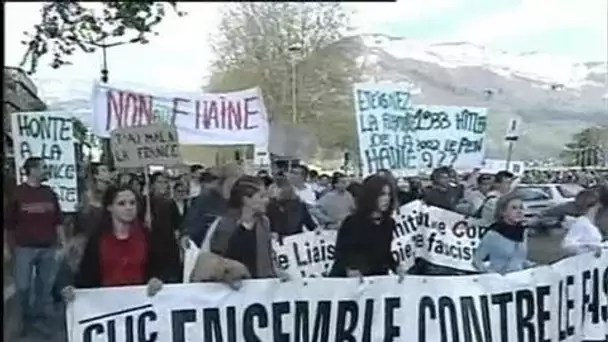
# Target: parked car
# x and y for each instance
(540, 197)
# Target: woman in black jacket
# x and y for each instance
(363, 246)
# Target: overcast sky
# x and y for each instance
(178, 58)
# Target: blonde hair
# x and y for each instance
(503, 203)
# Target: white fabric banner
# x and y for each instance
(235, 118)
(439, 236)
(541, 304)
(48, 135)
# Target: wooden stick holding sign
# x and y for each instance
(148, 214)
(142, 146)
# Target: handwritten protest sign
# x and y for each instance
(48, 135)
(450, 136)
(201, 118)
(145, 145)
(386, 138)
(439, 236)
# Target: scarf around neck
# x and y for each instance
(513, 232)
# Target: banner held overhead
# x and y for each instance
(201, 118)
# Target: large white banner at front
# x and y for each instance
(236, 118)
(48, 135)
(564, 302)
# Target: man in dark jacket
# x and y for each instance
(440, 194)
(205, 208)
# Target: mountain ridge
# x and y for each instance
(550, 111)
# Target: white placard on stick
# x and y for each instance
(48, 135)
(386, 139)
(141, 146)
(450, 136)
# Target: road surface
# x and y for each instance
(542, 249)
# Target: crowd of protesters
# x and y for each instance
(583, 177)
(132, 229)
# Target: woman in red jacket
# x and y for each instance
(120, 252)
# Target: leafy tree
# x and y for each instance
(588, 147)
(66, 27)
(254, 47)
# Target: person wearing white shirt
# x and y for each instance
(583, 235)
(297, 177)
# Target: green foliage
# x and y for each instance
(252, 48)
(588, 147)
(66, 27)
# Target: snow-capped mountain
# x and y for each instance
(550, 69)
(553, 96)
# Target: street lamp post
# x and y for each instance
(294, 50)
(106, 146)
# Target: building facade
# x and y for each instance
(20, 95)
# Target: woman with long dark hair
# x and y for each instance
(363, 246)
(120, 252)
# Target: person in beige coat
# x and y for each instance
(240, 241)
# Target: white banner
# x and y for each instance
(235, 118)
(48, 135)
(450, 136)
(439, 236)
(541, 304)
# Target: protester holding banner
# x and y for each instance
(583, 235)
(287, 213)
(363, 245)
(504, 245)
(338, 203)
(243, 233)
(33, 221)
(120, 253)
